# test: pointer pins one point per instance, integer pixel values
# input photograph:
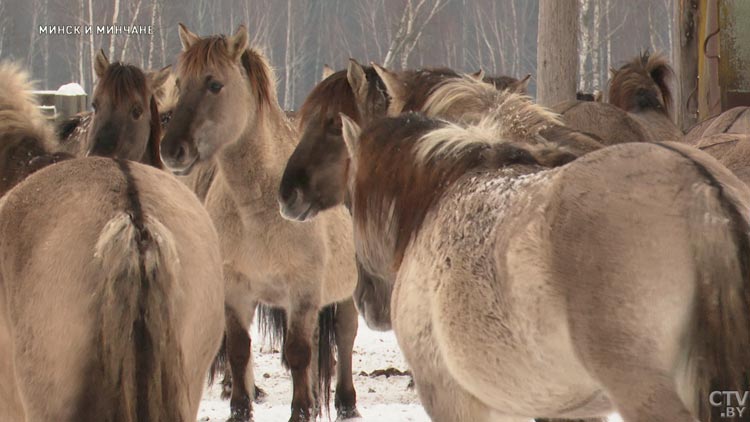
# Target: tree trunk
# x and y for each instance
(557, 51)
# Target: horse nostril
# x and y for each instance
(181, 153)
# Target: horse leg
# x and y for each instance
(346, 324)
(302, 318)
(240, 357)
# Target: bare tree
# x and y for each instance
(410, 28)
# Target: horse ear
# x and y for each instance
(522, 86)
(356, 77)
(351, 131)
(327, 71)
(238, 42)
(100, 64)
(478, 75)
(156, 78)
(187, 38)
(598, 95)
(393, 84)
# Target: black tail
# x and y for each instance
(326, 350)
(219, 365)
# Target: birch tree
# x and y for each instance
(416, 16)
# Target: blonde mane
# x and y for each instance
(484, 116)
(19, 111)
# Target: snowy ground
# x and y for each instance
(379, 399)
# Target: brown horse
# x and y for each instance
(468, 99)
(111, 301)
(315, 171)
(502, 82)
(126, 122)
(638, 109)
(228, 111)
(735, 120)
(730, 149)
(491, 258)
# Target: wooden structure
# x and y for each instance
(57, 106)
(711, 57)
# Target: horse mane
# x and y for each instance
(468, 100)
(407, 163)
(166, 95)
(213, 52)
(420, 84)
(639, 84)
(500, 81)
(26, 140)
(19, 110)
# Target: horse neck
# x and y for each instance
(253, 165)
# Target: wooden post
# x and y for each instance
(686, 16)
(557, 51)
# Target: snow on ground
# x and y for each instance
(379, 399)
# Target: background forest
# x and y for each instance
(299, 36)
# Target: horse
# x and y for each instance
(638, 111)
(319, 161)
(228, 111)
(467, 99)
(730, 149)
(110, 279)
(502, 82)
(618, 281)
(125, 122)
(735, 120)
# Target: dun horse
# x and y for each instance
(733, 121)
(126, 122)
(639, 111)
(227, 110)
(616, 282)
(314, 173)
(110, 284)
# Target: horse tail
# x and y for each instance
(718, 352)
(273, 326)
(140, 354)
(642, 84)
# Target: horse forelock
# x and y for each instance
(632, 86)
(213, 53)
(123, 82)
(330, 97)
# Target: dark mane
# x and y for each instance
(392, 172)
(213, 51)
(642, 84)
(123, 82)
(501, 82)
(420, 83)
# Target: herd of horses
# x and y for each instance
(559, 263)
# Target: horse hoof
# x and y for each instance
(240, 417)
(347, 413)
(299, 415)
(260, 395)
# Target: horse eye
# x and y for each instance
(215, 86)
(137, 112)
